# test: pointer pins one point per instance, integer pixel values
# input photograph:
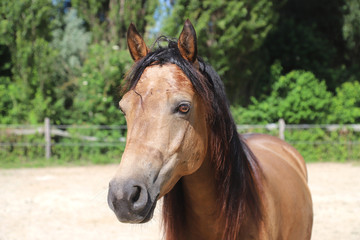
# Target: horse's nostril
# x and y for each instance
(135, 195)
(129, 200)
(138, 198)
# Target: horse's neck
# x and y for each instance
(200, 203)
(202, 209)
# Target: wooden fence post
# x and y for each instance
(281, 129)
(47, 138)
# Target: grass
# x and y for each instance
(22, 162)
(34, 157)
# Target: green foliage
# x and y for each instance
(270, 54)
(297, 97)
(301, 46)
(66, 66)
(12, 155)
(346, 104)
(29, 150)
(98, 90)
(71, 40)
(108, 20)
(302, 39)
(26, 31)
(319, 144)
(351, 29)
(230, 36)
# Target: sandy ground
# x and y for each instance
(70, 203)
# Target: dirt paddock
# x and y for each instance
(70, 203)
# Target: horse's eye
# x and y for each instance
(184, 108)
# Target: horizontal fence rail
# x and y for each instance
(96, 135)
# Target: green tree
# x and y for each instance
(25, 29)
(108, 20)
(308, 36)
(351, 27)
(49, 54)
(351, 34)
(230, 35)
(97, 90)
(71, 40)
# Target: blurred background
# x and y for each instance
(291, 68)
(62, 62)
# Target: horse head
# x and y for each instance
(167, 134)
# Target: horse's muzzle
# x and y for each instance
(131, 201)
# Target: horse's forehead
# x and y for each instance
(162, 79)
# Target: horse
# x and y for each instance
(183, 146)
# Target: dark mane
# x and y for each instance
(236, 168)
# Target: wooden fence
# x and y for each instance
(50, 131)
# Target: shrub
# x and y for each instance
(345, 107)
(297, 97)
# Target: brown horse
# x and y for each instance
(182, 145)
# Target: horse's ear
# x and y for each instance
(136, 44)
(187, 42)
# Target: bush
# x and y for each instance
(29, 150)
(92, 97)
(319, 144)
(297, 97)
(345, 107)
